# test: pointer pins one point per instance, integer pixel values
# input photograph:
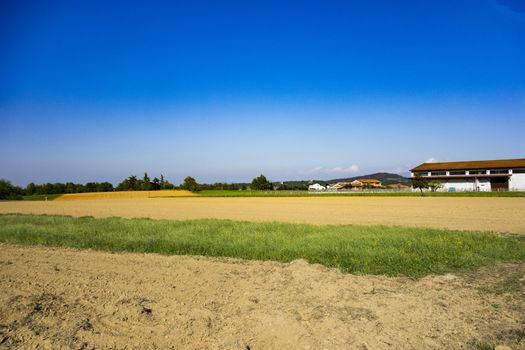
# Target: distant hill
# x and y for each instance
(385, 178)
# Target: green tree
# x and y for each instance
(47, 188)
(434, 185)
(162, 182)
(31, 189)
(190, 184)
(155, 184)
(419, 182)
(104, 187)
(123, 186)
(59, 188)
(146, 183)
(132, 183)
(70, 187)
(91, 187)
(261, 183)
(8, 191)
(168, 185)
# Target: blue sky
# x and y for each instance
(224, 91)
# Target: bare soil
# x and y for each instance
(65, 298)
(466, 213)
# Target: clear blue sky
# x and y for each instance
(226, 90)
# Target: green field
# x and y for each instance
(41, 197)
(388, 250)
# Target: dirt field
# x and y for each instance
(63, 298)
(496, 214)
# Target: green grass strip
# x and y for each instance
(41, 197)
(384, 250)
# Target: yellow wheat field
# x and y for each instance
(124, 195)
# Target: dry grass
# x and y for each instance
(124, 194)
(483, 214)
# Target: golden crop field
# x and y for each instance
(125, 194)
(467, 213)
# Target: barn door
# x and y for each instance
(499, 184)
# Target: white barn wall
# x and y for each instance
(462, 185)
(517, 182)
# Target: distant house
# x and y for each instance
(479, 175)
(356, 184)
(359, 183)
(336, 186)
(316, 187)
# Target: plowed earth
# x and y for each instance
(64, 298)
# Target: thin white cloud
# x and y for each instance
(431, 160)
(354, 168)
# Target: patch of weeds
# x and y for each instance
(513, 284)
(485, 345)
(512, 335)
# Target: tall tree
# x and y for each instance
(162, 182)
(190, 184)
(261, 183)
(146, 183)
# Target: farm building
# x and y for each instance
(480, 175)
(316, 187)
(337, 186)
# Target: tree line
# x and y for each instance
(10, 191)
(134, 183)
(259, 183)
